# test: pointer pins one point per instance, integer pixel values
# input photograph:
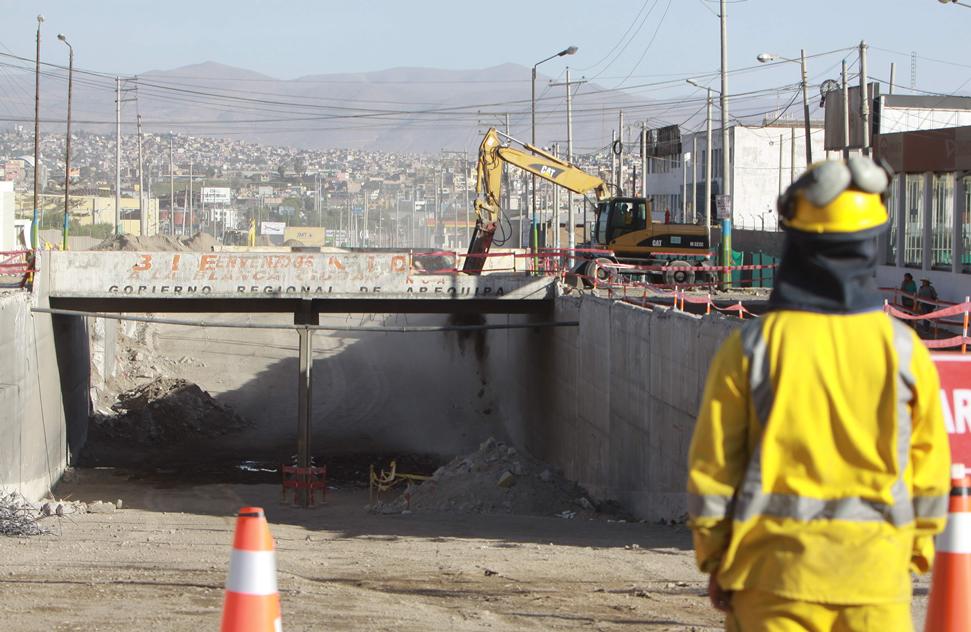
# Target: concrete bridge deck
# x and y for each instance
(302, 283)
(298, 282)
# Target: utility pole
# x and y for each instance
(506, 181)
(846, 113)
(684, 187)
(397, 213)
(893, 76)
(644, 159)
(694, 176)
(613, 158)
(805, 108)
(34, 227)
(571, 240)
(864, 101)
(620, 154)
(780, 163)
(556, 207)
(142, 220)
(117, 155)
(726, 152)
(202, 207)
(468, 203)
(67, 151)
(708, 159)
(189, 201)
(171, 184)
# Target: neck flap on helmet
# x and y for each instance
(830, 273)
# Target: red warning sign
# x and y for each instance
(955, 372)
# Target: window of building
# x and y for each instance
(893, 223)
(942, 220)
(914, 229)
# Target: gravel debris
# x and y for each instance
(496, 478)
(20, 518)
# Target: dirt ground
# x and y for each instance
(162, 560)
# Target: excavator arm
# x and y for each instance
(492, 155)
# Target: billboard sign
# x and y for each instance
(955, 372)
(272, 228)
(306, 235)
(217, 196)
(723, 206)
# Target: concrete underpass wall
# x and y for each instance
(43, 394)
(613, 402)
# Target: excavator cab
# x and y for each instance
(619, 216)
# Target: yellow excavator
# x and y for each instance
(623, 224)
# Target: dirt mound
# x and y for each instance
(165, 411)
(497, 478)
(200, 242)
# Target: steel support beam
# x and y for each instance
(305, 394)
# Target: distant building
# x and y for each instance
(926, 140)
(763, 160)
(930, 209)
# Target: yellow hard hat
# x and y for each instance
(836, 196)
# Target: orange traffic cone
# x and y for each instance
(949, 609)
(252, 601)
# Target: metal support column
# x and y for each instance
(957, 224)
(901, 210)
(926, 241)
(304, 392)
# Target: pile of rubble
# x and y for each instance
(497, 478)
(18, 517)
(165, 411)
(200, 242)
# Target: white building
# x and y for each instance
(229, 218)
(763, 161)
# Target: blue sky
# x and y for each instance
(290, 39)
(645, 47)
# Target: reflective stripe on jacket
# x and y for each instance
(819, 465)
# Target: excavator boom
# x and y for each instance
(492, 155)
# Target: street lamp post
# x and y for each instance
(960, 4)
(767, 57)
(534, 241)
(67, 151)
(34, 228)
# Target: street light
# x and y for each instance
(960, 4)
(534, 245)
(34, 230)
(67, 151)
(768, 57)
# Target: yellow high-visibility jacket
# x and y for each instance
(819, 465)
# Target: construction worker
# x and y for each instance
(819, 464)
(907, 289)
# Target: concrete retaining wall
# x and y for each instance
(613, 402)
(43, 395)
